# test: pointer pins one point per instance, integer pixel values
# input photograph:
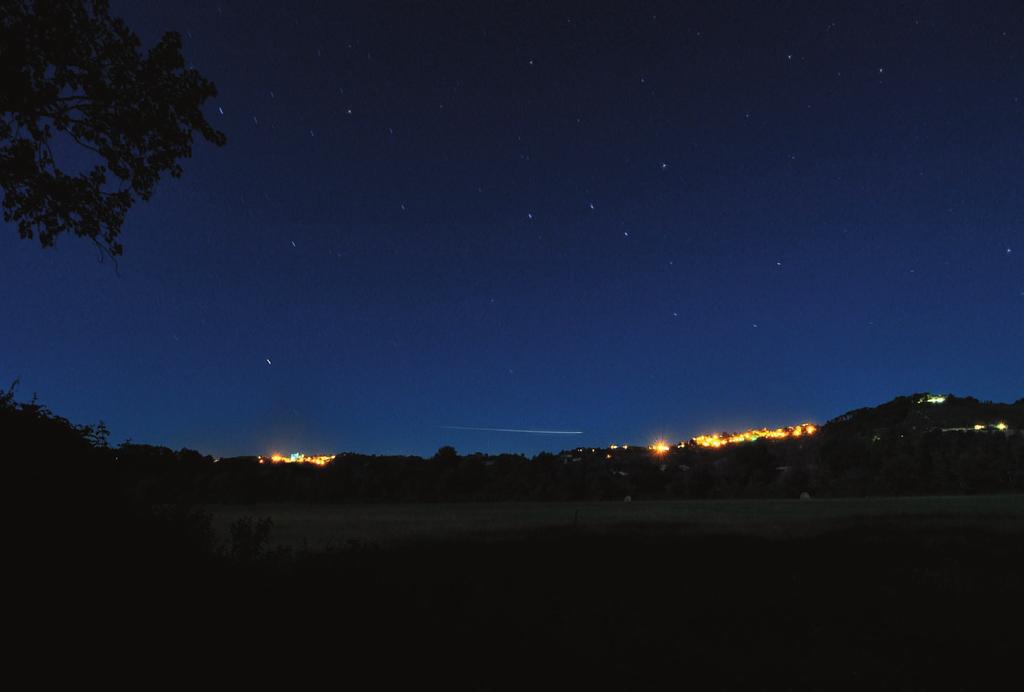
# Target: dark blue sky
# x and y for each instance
(635, 222)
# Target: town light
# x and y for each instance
(721, 439)
(300, 458)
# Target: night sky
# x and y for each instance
(660, 219)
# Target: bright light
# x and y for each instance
(1001, 426)
(660, 447)
(300, 458)
(931, 399)
(721, 439)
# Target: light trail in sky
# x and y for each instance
(514, 430)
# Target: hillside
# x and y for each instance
(923, 412)
(912, 445)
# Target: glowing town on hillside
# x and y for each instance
(659, 448)
(662, 447)
(298, 458)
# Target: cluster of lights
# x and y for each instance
(932, 399)
(298, 458)
(660, 447)
(721, 440)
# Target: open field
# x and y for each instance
(897, 593)
(324, 526)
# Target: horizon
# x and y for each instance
(634, 223)
(667, 441)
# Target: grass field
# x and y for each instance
(324, 526)
(896, 593)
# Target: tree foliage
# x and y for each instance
(73, 74)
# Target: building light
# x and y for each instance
(300, 458)
(720, 440)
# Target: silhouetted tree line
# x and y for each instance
(930, 463)
(887, 450)
(899, 448)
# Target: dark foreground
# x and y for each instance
(886, 605)
(327, 526)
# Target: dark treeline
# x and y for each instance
(836, 466)
(904, 447)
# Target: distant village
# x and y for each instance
(662, 448)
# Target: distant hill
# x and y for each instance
(924, 412)
(919, 444)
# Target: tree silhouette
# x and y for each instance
(446, 453)
(74, 76)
